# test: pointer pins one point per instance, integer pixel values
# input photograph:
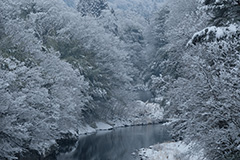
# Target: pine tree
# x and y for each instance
(223, 12)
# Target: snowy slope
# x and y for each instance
(171, 151)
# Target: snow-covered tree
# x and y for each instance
(92, 7)
(224, 12)
(62, 67)
(196, 75)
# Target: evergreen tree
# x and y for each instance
(223, 12)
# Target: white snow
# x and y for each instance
(171, 151)
(119, 123)
(213, 32)
(201, 1)
(219, 33)
(145, 113)
(232, 28)
(88, 129)
(103, 126)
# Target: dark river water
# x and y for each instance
(118, 144)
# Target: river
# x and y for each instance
(117, 144)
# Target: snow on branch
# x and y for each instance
(213, 33)
(207, 2)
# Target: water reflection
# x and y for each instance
(118, 144)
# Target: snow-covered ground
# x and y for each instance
(103, 126)
(171, 151)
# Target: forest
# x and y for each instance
(67, 64)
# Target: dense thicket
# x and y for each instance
(61, 68)
(196, 74)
